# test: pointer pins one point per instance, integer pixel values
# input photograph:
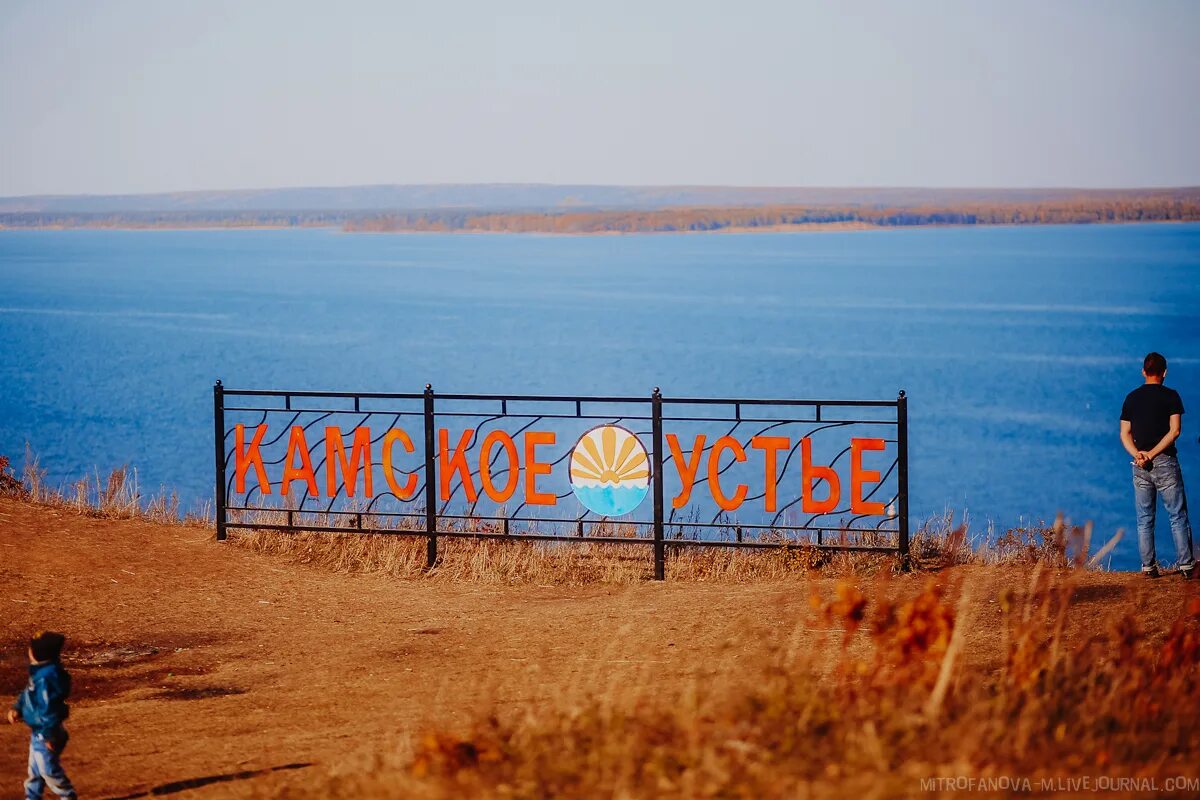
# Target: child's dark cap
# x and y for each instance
(47, 645)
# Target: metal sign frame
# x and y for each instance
(432, 522)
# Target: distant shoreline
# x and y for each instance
(802, 228)
(851, 215)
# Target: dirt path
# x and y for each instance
(201, 666)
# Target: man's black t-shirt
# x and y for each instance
(1148, 410)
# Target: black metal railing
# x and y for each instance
(448, 505)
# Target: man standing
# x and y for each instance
(1150, 424)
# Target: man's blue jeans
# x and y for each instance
(46, 771)
(1164, 479)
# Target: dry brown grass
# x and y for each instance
(898, 705)
(402, 554)
(115, 495)
(937, 545)
(572, 563)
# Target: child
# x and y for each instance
(43, 707)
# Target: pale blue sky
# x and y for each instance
(159, 96)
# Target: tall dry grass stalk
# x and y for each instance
(115, 495)
(897, 706)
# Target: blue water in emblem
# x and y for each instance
(611, 501)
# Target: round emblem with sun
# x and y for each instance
(610, 472)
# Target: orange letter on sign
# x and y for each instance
(687, 471)
(455, 463)
(770, 445)
(533, 468)
(297, 446)
(485, 466)
(409, 488)
(243, 459)
(859, 476)
(714, 477)
(809, 475)
(335, 456)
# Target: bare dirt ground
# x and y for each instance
(202, 669)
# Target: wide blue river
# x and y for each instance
(1016, 345)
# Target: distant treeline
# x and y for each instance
(170, 220)
(1153, 209)
(1099, 208)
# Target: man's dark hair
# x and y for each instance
(1155, 365)
(47, 645)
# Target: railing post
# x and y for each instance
(431, 552)
(657, 435)
(902, 475)
(219, 437)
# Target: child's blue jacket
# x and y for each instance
(43, 704)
